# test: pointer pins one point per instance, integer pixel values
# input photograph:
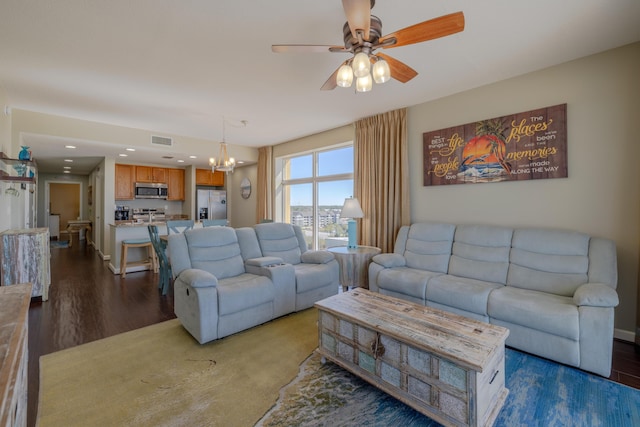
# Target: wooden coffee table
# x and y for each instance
(446, 366)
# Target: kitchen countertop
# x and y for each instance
(129, 224)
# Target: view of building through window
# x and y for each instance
(311, 193)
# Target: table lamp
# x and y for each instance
(351, 209)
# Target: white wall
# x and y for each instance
(242, 212)
(5, 147)
(601, 195)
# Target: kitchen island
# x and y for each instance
(124, 230)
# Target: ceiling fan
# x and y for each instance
(363, 36)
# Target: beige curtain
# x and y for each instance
(264, 185)
(382, 177)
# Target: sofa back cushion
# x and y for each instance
(481, 252)
(426, 246)
(552, 261)
(279, 240)
(216, 250)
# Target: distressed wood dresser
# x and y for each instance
(14, 323)
(446, 366)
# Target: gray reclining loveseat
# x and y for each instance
(225, 284)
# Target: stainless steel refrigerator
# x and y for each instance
(211, 204)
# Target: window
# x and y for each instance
(311, 189)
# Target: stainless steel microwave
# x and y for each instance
(146, 190)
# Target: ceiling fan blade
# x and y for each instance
(332, 81)
(358, 14)
(305, 48)
(399, 70)
(427, 30)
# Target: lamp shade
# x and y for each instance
(351, 209)
(364, 84)
(345, 76)
(361, 64)
(381, 71)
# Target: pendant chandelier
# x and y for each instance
(223, 162)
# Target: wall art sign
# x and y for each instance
(522, 146)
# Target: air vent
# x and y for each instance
(161, 140)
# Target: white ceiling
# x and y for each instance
(178, 67)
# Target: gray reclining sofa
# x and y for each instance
(553, 289)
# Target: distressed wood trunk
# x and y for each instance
(446, 366)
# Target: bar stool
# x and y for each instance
(150, 261)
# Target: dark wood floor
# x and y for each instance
(87, 303)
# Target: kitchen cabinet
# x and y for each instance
(206, 177)
(175, 184)
(151, 174)
(125, 178)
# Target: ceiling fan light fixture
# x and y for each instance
(361, 64)
(364, 84)
(381, 71)
(345, 76)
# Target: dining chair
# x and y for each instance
(214, 222)
(161, 252)
(179, 225)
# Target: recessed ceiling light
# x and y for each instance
(68, 160)
(130, 149)
(193, 157)
(67, 167)
(122, 155)
(67, 172)
(240, 162)
(70, 146)
(180, 161)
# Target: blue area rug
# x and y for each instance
(541, 393)
(59, 244)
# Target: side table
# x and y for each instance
(354, 264)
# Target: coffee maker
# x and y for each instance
(122, 213)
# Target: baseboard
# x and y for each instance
(623, 335)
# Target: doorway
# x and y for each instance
(65, 200)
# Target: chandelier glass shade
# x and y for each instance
(360, 67)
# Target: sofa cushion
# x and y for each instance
(215, 250)
(481, 252)
(279, 240)
(461, 292)
(552, 261)
(428, 246)
(242, 292)
(313, 276)
(541, 311)
(407, 281)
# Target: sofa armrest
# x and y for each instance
(596, 295)
(264, 261)
(389, 260)
(317, 257)
(198, 278)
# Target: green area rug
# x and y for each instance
(541, 393)
(161, 376)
